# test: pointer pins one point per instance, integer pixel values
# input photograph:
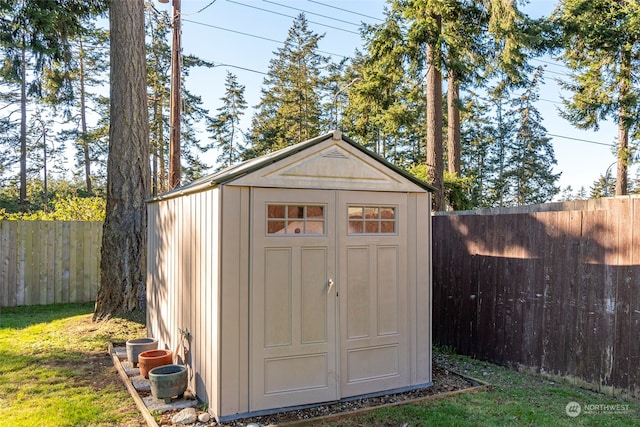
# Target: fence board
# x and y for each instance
(46, 262)
(58, 270)
(633, 273)
(51, 257)
(557, 291)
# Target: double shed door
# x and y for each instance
(328, 296)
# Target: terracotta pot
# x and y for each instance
(137, 346)
(168, 381)
(147, 360)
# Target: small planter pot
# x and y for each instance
(168, 381)
(147, 360)
(139, 345)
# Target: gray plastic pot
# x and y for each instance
(139, 345)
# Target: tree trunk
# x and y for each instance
(435, 162)
(23, 129)
(453, 115)
(623, 124)
(83, 123)
(176, 99)
(623, 159)
(123, 262)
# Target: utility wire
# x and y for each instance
(548, 62)
(292, 17)
(220, 64)
(581, 140)
(200, 11)
(255, 36)
(344, 10)
(206, 7)
(311, 13)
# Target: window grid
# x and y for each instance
(285, 219)
(371, 219)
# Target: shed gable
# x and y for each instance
(333, 163)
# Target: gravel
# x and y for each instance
(444, 381)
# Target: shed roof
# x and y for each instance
(243, 169)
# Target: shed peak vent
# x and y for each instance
(335, 154)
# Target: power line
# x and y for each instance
(345, 10)
(292, 17)
(220, 64)
(311, 13)
(549, 100)
(201, 10)
(255, 36)
(549, 62)
(581, 140)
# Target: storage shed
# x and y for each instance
(302, 276)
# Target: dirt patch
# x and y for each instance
(444, 381)
(89, 369)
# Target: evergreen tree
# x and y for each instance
(158, 28)
(477, 138)
(44, 155)
(604, 186)
(530, 160)
(75, 88)
(289, 110)
(602, 48)
(193, 115)
(225, 126)
(9, 147)
(386, 97)
(33, 34)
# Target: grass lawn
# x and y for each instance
(55, 370)
(516, 399)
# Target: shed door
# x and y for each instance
(372, 284)
(293, 308)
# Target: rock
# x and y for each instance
(186, 416)
(203, 418)
(253, 425)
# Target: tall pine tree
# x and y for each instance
(33, 35)
(75, 89)
(290, 106)
(224, 128)
(530, 159)
(601, 47)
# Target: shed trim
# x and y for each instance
(236, 171)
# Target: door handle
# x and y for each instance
(330, 285)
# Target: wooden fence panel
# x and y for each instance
(47, 262)
(549, 290)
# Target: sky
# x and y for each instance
(242, 36)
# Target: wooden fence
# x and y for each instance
(553, 288)
(47, 262)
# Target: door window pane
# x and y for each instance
(295, 219)
(355, 212)
(295, 211)
(371, 220)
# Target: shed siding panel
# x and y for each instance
(423, 287)
(234, 328)
(182, 276)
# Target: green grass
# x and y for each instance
(516, 399)
(55, 370)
